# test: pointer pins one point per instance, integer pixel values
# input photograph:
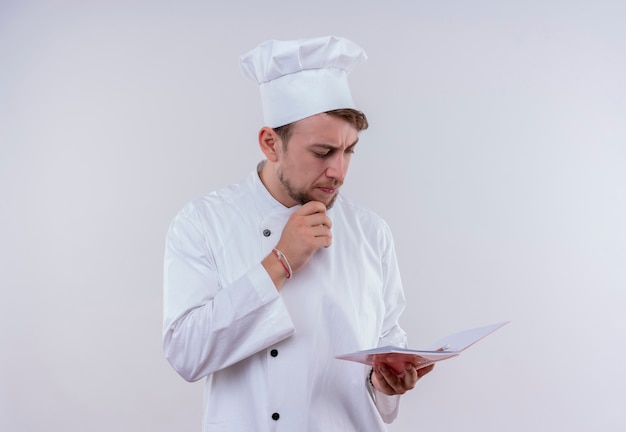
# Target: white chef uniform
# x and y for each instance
(268, 357)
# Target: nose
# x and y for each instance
(338, 167)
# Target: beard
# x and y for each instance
(300, 196)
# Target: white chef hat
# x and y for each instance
(303, 77)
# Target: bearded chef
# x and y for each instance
(267, 280)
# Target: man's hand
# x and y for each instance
(306, 231)
(388, 381)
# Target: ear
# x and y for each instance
(269, 142)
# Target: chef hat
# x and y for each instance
(303, 77)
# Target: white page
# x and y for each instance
(464, 339)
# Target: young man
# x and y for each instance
(266, 281)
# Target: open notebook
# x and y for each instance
(450, 346)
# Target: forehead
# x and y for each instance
(324, 129)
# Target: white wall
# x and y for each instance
(496, 152)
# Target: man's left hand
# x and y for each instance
(386, 380)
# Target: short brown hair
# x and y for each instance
(355, 117)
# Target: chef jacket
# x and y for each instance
(268, 357)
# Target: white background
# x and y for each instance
(497, 153)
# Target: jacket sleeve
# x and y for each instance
(208, 327)
(392, 333)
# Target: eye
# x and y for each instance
(322, 154)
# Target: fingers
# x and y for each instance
(423, 371)
(312, 230)
(312, 207)
(318, 223)
(389, 382)
(314, 212)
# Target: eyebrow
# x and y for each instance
(332, 147)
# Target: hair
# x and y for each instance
(355, 117)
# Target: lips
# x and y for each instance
(328, 190)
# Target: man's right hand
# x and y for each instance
(306, 231)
